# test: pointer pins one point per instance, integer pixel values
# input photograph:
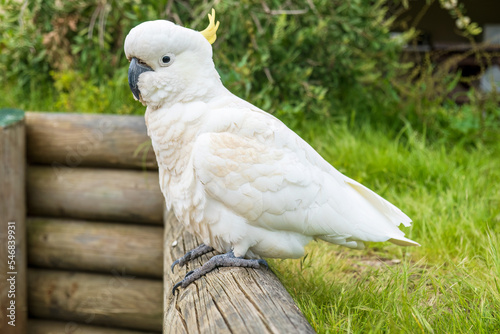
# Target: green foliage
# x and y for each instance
(457, 11)
(301, 60)
(41, 36)
(266, 52)
(22, 56)
(76, 93)
(427, 104)
(278, 59)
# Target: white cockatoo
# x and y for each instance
(234, 175)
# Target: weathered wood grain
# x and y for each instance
(79, 140)
(95, 194)
(36, 326)
(12, 209)
(117, 299)
(95, 246)
(227, 300)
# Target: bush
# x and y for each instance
(270, 56)
(334, 54)
(303, 59)
(41, 36)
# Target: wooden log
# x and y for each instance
(36, 326)
(79, 140)
(95, 194)
(117, 300)
(100, 247)
(227, 300)
(13, 302)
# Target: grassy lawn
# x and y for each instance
(449, 285)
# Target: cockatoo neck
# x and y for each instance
(162, 90)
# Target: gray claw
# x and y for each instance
(174, 264)
(192, 254)
(263, 262)
(176, 286)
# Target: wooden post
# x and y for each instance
(95, 246)
(13, 303)
(98, 194)
(66, 327)
(227, 300)
(64, 140)
(115, 300)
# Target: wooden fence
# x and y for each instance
(97, 238)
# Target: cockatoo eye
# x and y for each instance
(167, 60)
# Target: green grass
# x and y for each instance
(449, 285)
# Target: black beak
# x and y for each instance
(134, 71)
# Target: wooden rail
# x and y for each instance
(36, 326)
(97, 194)
(13, 309)
(117, 299)
(64, 140)
(95, 246)
(227, 300)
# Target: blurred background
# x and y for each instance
(428, 63)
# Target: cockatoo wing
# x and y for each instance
(282, 184)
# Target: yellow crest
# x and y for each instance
(210, 32)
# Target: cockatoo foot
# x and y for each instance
(191, 255)
(222, 260)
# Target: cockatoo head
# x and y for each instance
(170, 63)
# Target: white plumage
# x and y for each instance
(236, 175)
